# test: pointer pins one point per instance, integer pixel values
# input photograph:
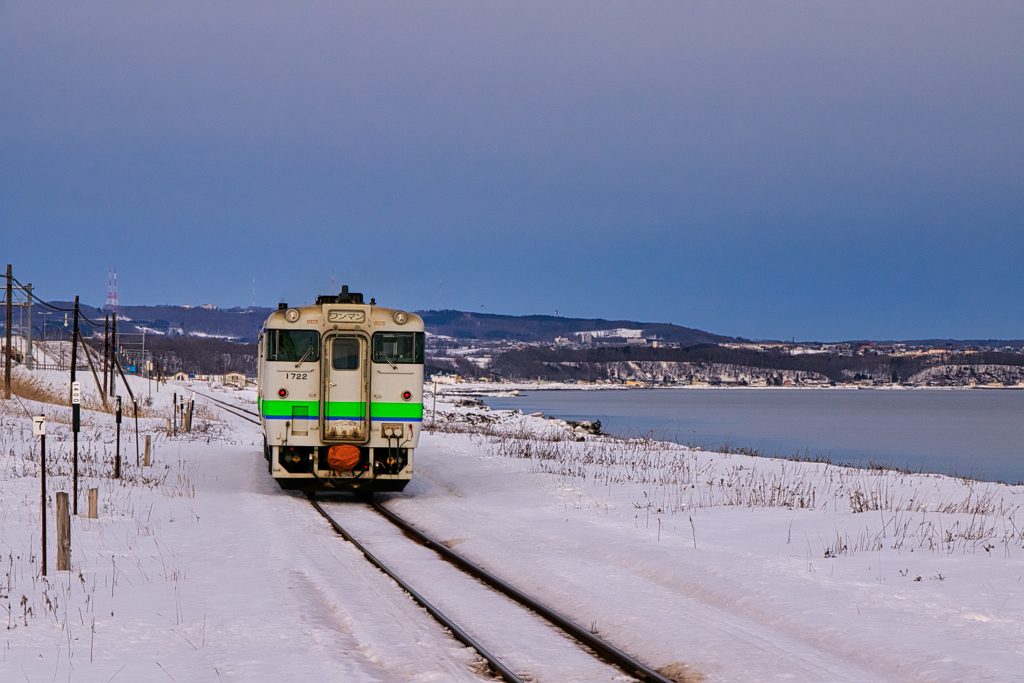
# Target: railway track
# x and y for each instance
(232, 408)
(377, 532)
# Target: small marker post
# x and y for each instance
(39, 429)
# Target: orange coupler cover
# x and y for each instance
(343, 458)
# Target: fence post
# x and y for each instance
(93, 502)
(145, 460)
(168, 426)
(63, 533)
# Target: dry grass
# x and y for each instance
(901, 509)
(29, 387)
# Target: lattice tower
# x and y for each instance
(112, 291)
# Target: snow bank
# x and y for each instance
(714, 567)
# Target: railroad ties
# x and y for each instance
(235, 410)
(357, 516)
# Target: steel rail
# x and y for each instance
(604, 650)
(461, 635)
(230, 405)
(231, 409)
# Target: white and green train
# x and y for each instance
(341, 394)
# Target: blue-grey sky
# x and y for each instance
(823, 170)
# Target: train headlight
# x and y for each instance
(400, 317)
(291, 315)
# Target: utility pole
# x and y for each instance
(7, 353)
(76, 408)
(106, 351)
(113, 354)
(30, 361)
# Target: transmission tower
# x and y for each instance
(112, 291)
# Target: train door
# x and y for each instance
(346, 390)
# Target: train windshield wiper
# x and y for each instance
(393, 366)
(309, 350)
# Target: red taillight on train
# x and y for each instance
(406, 395)
(282, 392)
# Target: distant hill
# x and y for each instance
(541, 328)
(243, 325)
(232, 324)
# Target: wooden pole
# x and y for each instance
(146, 458)
(93, 496)
(63, 533)
(135, 409)
(7, 350)
(92, 368)
(113, 355)
(106, 352)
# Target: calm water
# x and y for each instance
(979, 432)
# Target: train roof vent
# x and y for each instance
(346, 297)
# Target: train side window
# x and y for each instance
(345, 354)
(398, 347)
(293, 345)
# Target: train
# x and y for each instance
(341, 394)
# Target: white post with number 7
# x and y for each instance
(38, 425)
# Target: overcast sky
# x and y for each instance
(818, 170)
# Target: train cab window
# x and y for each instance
(293, 345)
(398, 347)
(345, 354)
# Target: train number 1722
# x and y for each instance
(296, 375)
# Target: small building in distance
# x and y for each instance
(234, 378)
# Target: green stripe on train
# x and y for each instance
(346, 409)
(396, 411)
(276, 408)
(349, 409)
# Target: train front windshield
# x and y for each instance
(398, 347)
(293, 345)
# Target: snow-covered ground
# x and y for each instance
(709, 566)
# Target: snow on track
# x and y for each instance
(527, 644)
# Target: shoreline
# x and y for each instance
(861, 453)
(507, 389)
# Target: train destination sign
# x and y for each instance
(346, 316)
